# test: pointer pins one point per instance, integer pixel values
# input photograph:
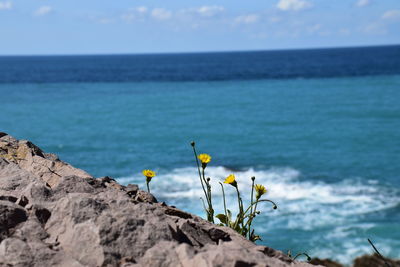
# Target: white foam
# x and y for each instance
(303, 204)
(283, 184)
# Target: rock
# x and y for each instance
(143, 196)
(11, 215)
(31, 158)
(374, 260)
(325, 262)
(53, 214)
(15, 252)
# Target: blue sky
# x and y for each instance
(158, 26)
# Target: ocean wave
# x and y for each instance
(294, 193)
(331, 215)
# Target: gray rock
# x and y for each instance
(15, 252)
(31, 158)
(11, 215)
(53, 214)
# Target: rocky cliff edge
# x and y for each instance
(52, 214)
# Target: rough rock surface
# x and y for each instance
(52, 214)
(375, 260)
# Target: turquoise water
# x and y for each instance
(328, 149)
(320, 128)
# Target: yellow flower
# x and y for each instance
(260, 190)
(204, 158)
(149, 173)
(230, 180)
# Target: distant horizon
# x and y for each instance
(200, 52)
(176, 26)
(211, 66)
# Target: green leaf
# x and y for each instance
(238, 228)
(229, 214)
(222, 218)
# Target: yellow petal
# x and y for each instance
(149, 173)
(230, 179)
(204, 158)
(260, 190)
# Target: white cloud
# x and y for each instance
(105, 20)
(161, 13)
(325, 33)
(202, 11)
(141, 9)
(209, 11)
(393, 14)
(247, 19)
(344, 31)
(375, 29)
(128, 17)
(5, 5)
(261, 35)
(274, 19)
(43, 10)
(295, 5)
(361, 3)
(136, 13)
(314, 28)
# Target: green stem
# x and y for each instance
(210, 205)
(208, 196)
(204, 205)
(203, 175)
(251, 206)
(379, 254)
(210, 214)
(198, 168)
(252, 194)
(223, 196)
(252, 215)
(148, 187)
(201, 180)
(261, 200)
(300, 254)
(240, 215)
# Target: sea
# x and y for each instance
(320, 128)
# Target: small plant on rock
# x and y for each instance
(149, 174)
(243, 221)
(205, 183)
(298, 255)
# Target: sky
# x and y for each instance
(47, 27)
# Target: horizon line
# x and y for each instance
(199, 52)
